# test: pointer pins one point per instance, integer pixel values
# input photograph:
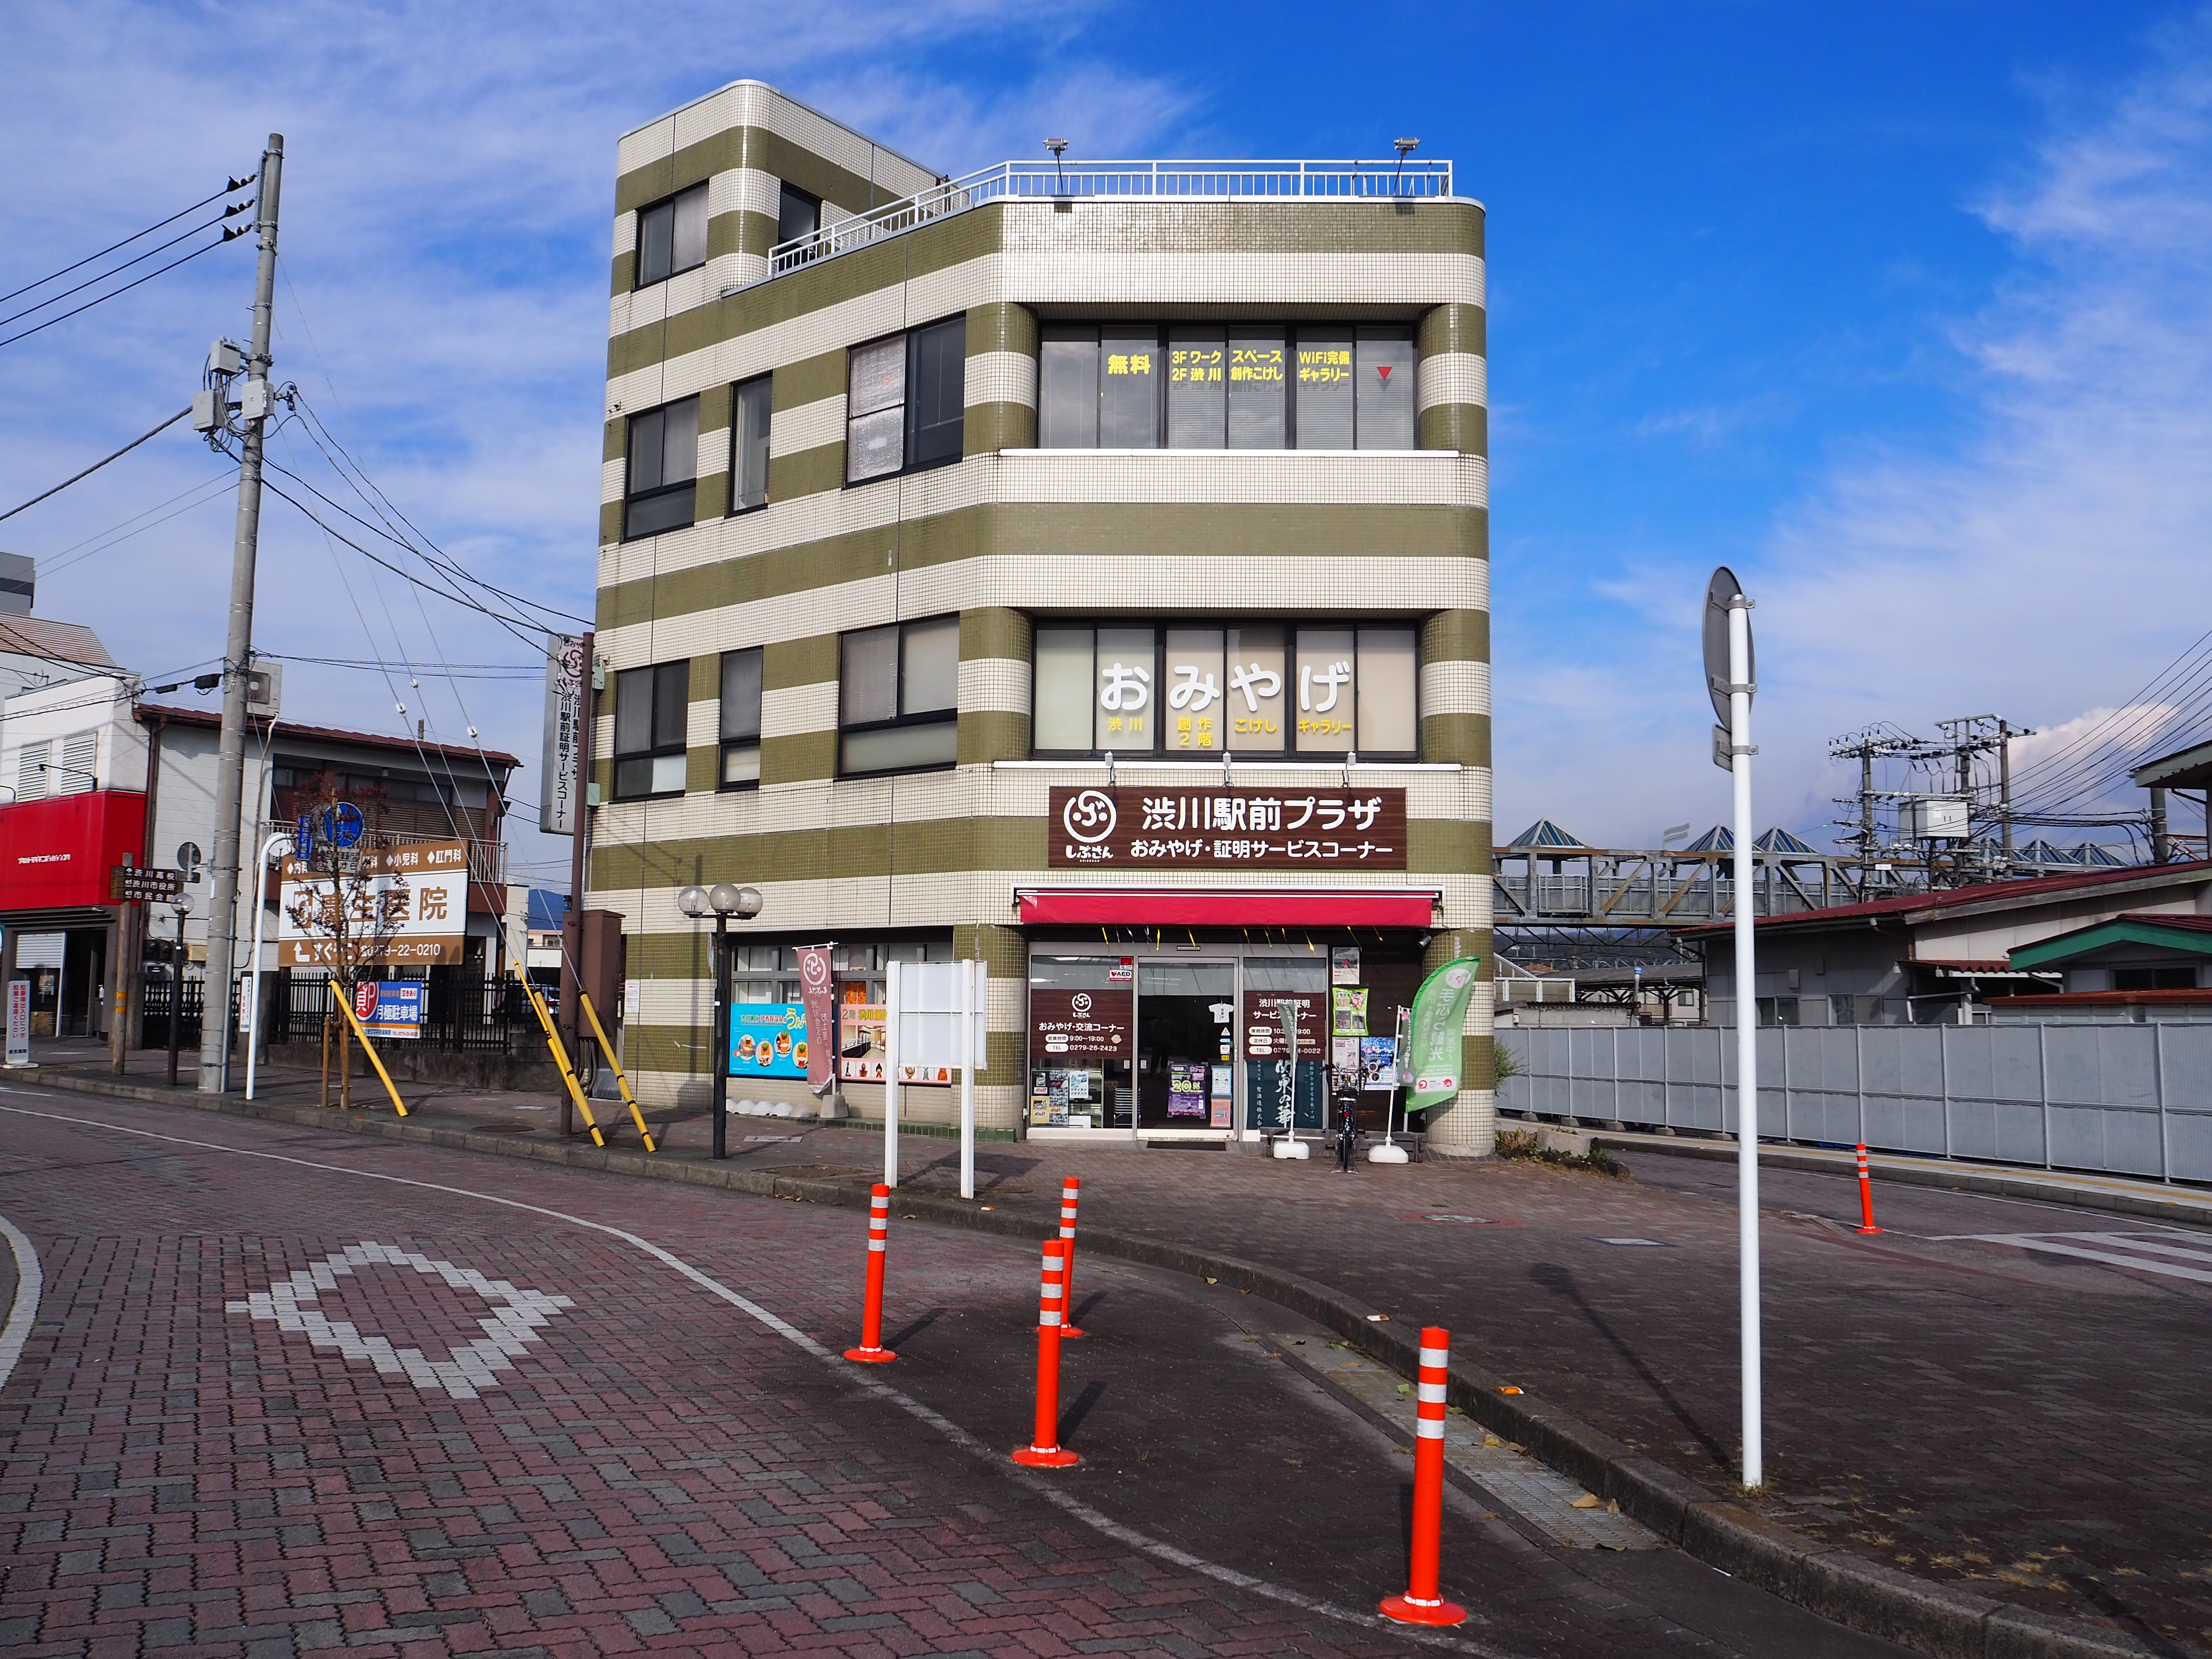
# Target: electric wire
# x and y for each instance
(112, 247)
(103, 461)
(112, 293)
(113, 271)
(109, 539)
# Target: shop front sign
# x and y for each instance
(408, 905)
(1070, 1025)
(1180, 828)
(1263, 1023)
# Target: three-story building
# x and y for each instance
(1078, 566)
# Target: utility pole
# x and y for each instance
(254, 407)
(2005, 735)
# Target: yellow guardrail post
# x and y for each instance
(621, 1081)
(560, 1059)
(345, 1005)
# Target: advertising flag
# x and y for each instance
(817, 989)
(1439, 1014)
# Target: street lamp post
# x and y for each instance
(276, 846)
(722, 901)
(177, 986)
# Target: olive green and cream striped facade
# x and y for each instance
(1006, 534)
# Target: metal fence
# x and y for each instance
(1179, 180)
(156, 997)
(2124, 1099)
(460, 1014)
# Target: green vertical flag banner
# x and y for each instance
(1439, 1015)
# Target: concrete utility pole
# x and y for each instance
(254, 407)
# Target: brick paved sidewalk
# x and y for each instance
(2029, 1423)
(641, 1466)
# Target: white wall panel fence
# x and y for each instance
(2124, 1099)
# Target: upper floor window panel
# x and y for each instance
(906, 402)
(672, 236)
(751, 407)
(1236, 385)
(1261, 688)
(899, 697)
(741, 718)
(651, 706)
(798, 214)
(660, 482)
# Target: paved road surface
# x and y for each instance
(280, 1406)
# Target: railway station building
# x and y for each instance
(1080, 567)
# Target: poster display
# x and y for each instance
(1344, 966)
(861, 1053)
(1378, 1062)
(1348, 1012)
(768, 1039)
(1186, 1088)
(390, 1008)
(1263, 1024)
(1222, 1102)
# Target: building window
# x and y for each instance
(899, 697)
(1258, 690)
(797, 214)
(1777, 1010)
(750, 409)
(651, 705)
(672, 236)
(764, 973)
(905, 406)
(741, 718)
(1235, 385)
(661, 490)
(2130, 979)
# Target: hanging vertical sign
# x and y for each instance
(560, 786)
(817, 987)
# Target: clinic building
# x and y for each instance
(1081, 567)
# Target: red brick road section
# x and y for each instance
(652, 1469)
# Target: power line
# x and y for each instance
(61, 562)
(117, 271)
(235, 185)
(111, 294)
(103, 461)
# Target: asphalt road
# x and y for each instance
(292, 1390)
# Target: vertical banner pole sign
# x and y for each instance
(892, 1007)
(19, 1022)
(1730, 670)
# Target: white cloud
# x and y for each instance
(2051, 561)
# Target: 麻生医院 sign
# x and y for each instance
(1180, 828)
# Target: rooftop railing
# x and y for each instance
(1045, 181)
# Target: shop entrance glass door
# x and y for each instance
(1186, 1025)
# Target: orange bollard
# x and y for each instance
(1866, 1197)
(1423, 1603)
(871, 1351)
(1070, 1190)
(1044, 1450)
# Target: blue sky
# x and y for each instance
(1901, 309)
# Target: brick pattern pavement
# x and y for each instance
(655, 1472)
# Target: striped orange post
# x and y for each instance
(1423, 1603)
(1866, 1197)
(1070, 1190)
(1044, 1450)
(871, 1351)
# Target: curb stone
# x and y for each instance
(1943, 1620)
(2192, 1208)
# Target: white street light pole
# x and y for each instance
(1729, 674)
(276, 846)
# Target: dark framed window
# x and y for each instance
(751, 406)
(2183, 978)
(740, 719)
(1224, 385)
(651, 705)
(798, 213)
(1334, 688)
(672, 236)
(899, 697)
(661, 489)
(906, 402)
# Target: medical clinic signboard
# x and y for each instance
(1215, 828)
(412, 901)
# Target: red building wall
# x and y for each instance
(55, 854)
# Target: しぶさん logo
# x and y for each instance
(1090, 816)
(1080, 1004)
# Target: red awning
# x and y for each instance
(1198, 907)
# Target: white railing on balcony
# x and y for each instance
(1044, 181)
